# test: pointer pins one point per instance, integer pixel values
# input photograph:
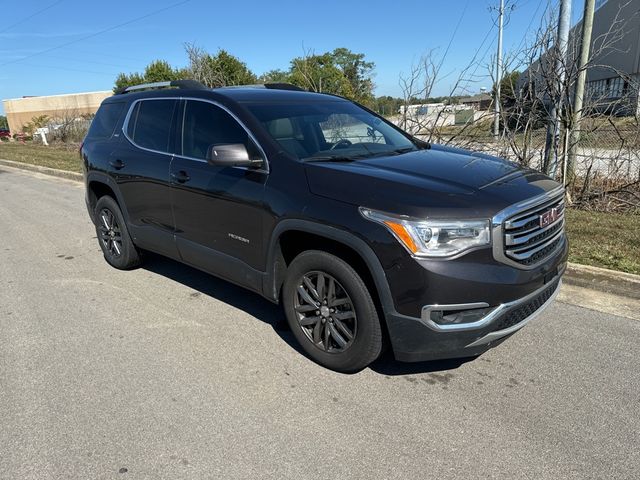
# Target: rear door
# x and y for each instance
(218, 211)
(140, 164)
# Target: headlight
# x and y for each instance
(433, 238)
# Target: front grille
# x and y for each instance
(520, 313)
(526, 241)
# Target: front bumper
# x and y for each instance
(422, 339)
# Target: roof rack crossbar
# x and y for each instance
(283, 86)
(190, 84)
(270, 86)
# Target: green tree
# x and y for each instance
(3, 122)
(387, 105)
(340, 72)
(318, 73)
(156, 71)
(219, 70)
(275, 76)
(358, 73)
(231, 70)
(507, 88)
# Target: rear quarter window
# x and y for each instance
(149, 124)
(106, 120)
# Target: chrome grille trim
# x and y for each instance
(528, 253)
(512, 239)
(511, 224)
(518, 239)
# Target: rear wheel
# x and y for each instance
(113, 236)
(331, 312)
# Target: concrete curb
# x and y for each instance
(44, 170)
(603, 280)
(593, 278)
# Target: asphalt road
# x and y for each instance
(165, 372)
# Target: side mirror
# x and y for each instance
(230, 155)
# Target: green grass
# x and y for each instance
(607, 240)
(62, 157)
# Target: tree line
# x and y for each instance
(340, 72)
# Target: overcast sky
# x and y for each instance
(65, 46)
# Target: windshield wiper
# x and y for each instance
(402, 150)
(329, 159)
(334, 158)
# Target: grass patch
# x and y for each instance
(608, 240)
(62, 157)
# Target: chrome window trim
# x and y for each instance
(125, 125)
(500, 218)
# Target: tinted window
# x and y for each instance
(206, 124)
(150, 124)
(329, 129)
(105, 120)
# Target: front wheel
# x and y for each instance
(331, 312)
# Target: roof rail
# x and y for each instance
(270, 86)
(190, 84)
(284, 86)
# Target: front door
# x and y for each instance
(218, 211)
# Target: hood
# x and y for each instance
(436, 182)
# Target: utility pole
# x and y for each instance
(496, 100)
(578, 98)
(560, 52)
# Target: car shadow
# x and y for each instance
(389, 366)
(221, 290)
(272, 314)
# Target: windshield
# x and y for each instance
(331, 130)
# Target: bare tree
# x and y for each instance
(607, 169)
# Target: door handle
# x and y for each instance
(180, 176)
(117, 164)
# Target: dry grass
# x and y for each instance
(62, 157)
(608, 240)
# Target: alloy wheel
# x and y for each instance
(110, 233)
(325, 312)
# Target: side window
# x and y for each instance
(150, 124)
(206, 124)
(105, 121)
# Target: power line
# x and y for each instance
(455, 31)
(69, 69)
(475, 56)
(83, 60)
(95, 34)
(20, 22)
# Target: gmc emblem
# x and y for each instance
(548, 217)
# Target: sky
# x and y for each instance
(50, 47)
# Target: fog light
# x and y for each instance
(452, 317)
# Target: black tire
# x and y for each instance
(353, 312)
(113, 235)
